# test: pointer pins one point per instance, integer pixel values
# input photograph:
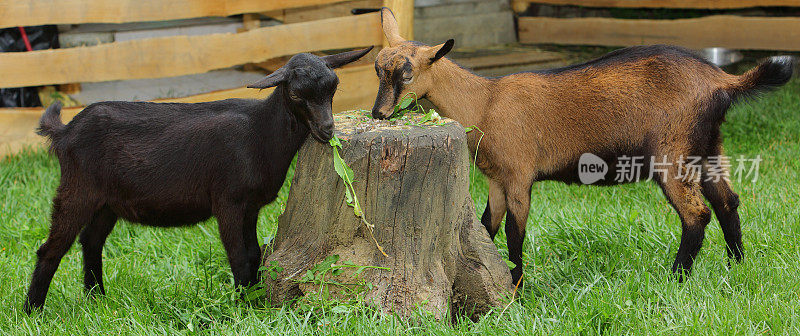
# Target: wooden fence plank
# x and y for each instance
(294, 15)
(183, 55)
(38, 12)
(520, 5)
(358, 86)
(782, 33)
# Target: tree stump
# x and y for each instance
(413, 184)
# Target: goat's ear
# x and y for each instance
(275, 78)
(337, 60)
(438, 51)
(390, 27)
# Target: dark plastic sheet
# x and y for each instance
(40, 37)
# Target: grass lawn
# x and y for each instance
(597, 259)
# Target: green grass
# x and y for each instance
(597, 260)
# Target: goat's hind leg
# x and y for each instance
(68, 218)
(725, 203)
(92, 239)
(685, 196)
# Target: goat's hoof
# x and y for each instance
(94, 293)
(93, 290)
(735, 256)
(28, 307)
(517, 278)
(680, 274)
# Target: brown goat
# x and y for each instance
(655, 102)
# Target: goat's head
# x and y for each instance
(403, 67)
(308, 83)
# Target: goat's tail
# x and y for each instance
(50, 124)
(767, 76)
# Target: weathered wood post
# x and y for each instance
(413, 185)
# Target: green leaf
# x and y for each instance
(341, 309)
(350, 174)
(309, 276)
(339, 165)
(342, 169)
(273, 275)
(425, 118)
(330, 260)
(435, 116)
(337, 271)
(349, 263)
(468, 129)
(334, 142)
(510, 264)
(255, 294)
(348, 195)
(405, 102)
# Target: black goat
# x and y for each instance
(170, 164)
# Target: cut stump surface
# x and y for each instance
(413, 184)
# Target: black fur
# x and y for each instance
(767, 76)
(448, 45)
(515, 239)
(50, 124)
(397, 84)
(486, 220)
(172, 164)
(397, 79)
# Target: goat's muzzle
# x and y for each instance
(323, 133)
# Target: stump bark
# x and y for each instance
(413, 185)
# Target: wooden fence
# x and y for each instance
(729, 31)
(183, 55)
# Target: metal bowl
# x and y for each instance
(721, 56)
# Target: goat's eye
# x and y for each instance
(294, 96)
(408, 79)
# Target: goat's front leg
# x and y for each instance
(518, 201)
(252, 246)
(495, 208)
(231, 221)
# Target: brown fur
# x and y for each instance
(642, 101)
